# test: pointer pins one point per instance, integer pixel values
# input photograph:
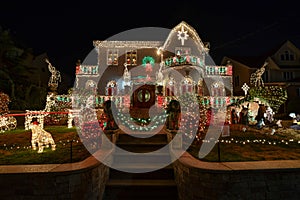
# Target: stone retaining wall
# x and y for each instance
(82, 180)
(237, 180)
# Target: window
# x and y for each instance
(237, 81)
(217, 89)
(288, 75)
(287, 56)
(182, 51)
(112, 56)
(131, 57)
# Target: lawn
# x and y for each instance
(15, 147)
(253, 145)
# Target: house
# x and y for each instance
(283, 69)
(148, 70)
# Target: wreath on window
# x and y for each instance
(148, 59)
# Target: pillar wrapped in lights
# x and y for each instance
(111, 88)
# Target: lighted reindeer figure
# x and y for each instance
(41, 138)
(255, 78)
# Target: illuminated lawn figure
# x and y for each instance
(41, 138)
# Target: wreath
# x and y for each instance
(148, 59)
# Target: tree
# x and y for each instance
(15, 70)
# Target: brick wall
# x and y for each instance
(82, 180)
(246, 180)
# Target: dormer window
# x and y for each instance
(182, 51)
(287, 56)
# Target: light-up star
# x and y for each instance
(182, 35)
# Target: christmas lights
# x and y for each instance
(40, 138)
(6, 122)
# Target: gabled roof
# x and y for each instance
(258, 61)
(226, 59)
(192, 34)
(287, 43)
(250, 61)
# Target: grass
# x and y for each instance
(15, 147)
(253, 145)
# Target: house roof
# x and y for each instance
(250, 61)
(258, 61)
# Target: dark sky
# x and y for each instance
(66, 33)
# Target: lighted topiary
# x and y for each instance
(4, 101)
(274, 96)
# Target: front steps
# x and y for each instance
(125, 184)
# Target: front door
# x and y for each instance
(144, 96)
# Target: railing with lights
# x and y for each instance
(183, 60)
(219, 70)
(87, 70)
(121, 101)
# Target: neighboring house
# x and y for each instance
(283, 69)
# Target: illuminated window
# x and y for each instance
(112, 56)
(182, 51)
(217, 89)
(131, 57)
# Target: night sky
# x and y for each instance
(66, 33)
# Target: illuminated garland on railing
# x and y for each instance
(184, 60)
(21, 147)
(257, 141)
